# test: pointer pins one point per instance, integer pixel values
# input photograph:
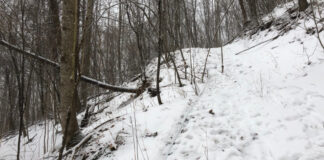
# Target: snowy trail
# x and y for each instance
(178, 128)
(262, 108)
(268, 105)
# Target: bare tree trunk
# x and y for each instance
(86, 51)
(188, 24)
(20, 79)
(176, 71)
(137, 28)
(55, 29)
(11, 124)
(68, 71)
(241, 2)
(303, 5)
(195, 30)
(160, 51)
(207, 23)
(55, 46)
(222, 57)
(253, 10)
(119, 42)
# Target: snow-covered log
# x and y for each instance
(56, 65)
(108, 86)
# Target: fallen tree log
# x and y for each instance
(30, 54)
(107, 86)
(57, 66)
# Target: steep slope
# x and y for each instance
(268, 104)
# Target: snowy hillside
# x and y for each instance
(267, 105)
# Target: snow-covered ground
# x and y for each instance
(267, 105)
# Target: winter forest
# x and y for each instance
(162, 79)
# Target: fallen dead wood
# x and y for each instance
(88, 137)
(75, 149)
(108, 86)
(29, 54)
(57, 66)
(271, 39)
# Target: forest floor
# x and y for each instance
(267, 105)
